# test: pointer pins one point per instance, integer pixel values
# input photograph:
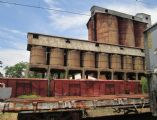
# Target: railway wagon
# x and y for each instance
(65, 87)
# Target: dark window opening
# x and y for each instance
(67, 41)
(105, 75)
(97, 44)
(35, 36)
(142, 50)
(121, 48)
(146, 18)
(106, 10)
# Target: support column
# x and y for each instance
(83, 74)
(125, 76)
(137, 76)
(98, 74)
(112, 75)
(49, 80)
(48, 73)
(66, 73)
(27, 71)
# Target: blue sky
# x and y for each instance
(16, 21)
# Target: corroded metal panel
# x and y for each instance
(115, 105)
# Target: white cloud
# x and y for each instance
(70, 21)
(66, 21)
(133, 9)
(52, 3)
(12, 47)
(10, 57)
(12, 31)
(12, 38)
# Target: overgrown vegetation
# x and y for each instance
(19, 70)
(144, 84)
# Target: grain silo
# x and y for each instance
(57, 57)
(126, 32)
(38, 55)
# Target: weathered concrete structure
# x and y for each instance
(115, 49)
(151, 66)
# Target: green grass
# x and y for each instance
(28, 96)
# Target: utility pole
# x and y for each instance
(1, 75)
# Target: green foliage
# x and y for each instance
(35, 75)
(18, 70)
(144, 83)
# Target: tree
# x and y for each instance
(18, 70)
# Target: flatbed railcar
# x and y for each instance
(74, 99)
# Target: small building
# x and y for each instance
(151, 64)
(151, 47)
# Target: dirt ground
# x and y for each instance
(8, 116)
